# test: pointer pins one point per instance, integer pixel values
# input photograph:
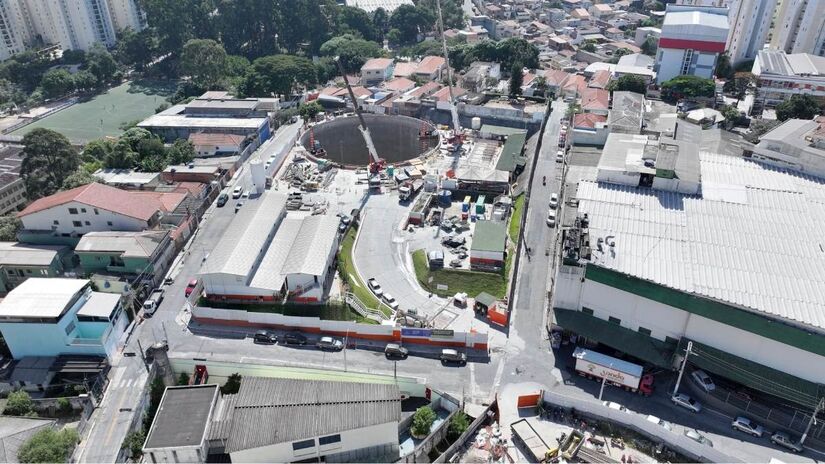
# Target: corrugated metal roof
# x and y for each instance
(246, 237)
(268, 411)
(182, 417)
(41, 297)
(754, 238)
(489, 236)
(300, 246)
(130, 244)
(13, 253)
(99, 304)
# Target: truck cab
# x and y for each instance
(646, 385)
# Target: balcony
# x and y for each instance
(80, 341)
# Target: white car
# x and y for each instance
(551, 218)
(560, 156)
(375, 287)
(554, 200)
(237, 192)
(743, 424)
(694, 435)
(703, 380)
(390, 301)
(329, 343)
(614, 405)
(665, 424)
(685, 401)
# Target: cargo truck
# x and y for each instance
(624, 374)
(409, 188)
(151, 304)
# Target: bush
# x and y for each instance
(232, 385)
(134, 443)
(64, 406)
(48, 445)
(19, 404)
(183, 379)
(458, 424)
(422, 422)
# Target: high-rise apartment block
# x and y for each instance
(800, 27)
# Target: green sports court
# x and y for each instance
(103, 114)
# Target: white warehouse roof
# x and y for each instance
(246, 237)
(301, 246)
(41, 298)
(696, 26)
(753, 239)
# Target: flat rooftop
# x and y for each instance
(41, 297)
(182, 417)
(19, 254)
(752, 239)
(480, 163)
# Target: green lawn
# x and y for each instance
(347, 270)
(328, 312)
(103, 114)
(471, 282)
(515, 218)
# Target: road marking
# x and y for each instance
(473, 385)
(499, 372)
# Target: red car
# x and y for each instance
(191, 287)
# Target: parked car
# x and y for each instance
(453, 241)
(294, 338)
(390, 301)
(237, 192)
(245, 194)
(554, 200)
(743, 424)
(190, 287)
(394, 350)
(329, 343)
(694, 435)
(449, 355)
(784, 440)
(375, 287)
(667, 425)
(222, 199)
(614, 405)
(703, 380)
(685, 401)
(551, 218)
(265, 337)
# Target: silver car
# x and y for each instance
(743, 424)
(329, 343)
(784, 440)
(685, 401)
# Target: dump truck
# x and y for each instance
(409, 188)
(624, 374)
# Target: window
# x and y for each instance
(614, 320)
(77, 224)
(304, 444)
(108, 223)
(82, 210)
(671, 341)
(87, 223)
(645, 331)
(96, 211)
(56, 222)
(587, 311)
(72, 210)
(70, 328)
(330, 439)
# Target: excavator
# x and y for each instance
(376, 164)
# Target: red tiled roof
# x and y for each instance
(206, 138)
(424, 90)
(377, 63)
(575, 82)
(404, 69)
(588, 120)
(599, 79)
(444, 94)
(527, 78)
(399, 84)
(430, 64)
(555, 77)
(139, 205)
(580, 13)
(595, 99)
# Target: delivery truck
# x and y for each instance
(409, 188)
(624, 374)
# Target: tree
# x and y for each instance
(458, 424)
(10, 224)
(156, 391)
(49, 445)
(136, 49)
(73, 57)
(183, 379)
(381, 21)
(798, 107)
(309, 111)
(204, 60)
(351, 19)
(96, 150)
(134, 443)
(731, 114)
(277, 74)
(64, 406)
(19, 403)
(760, 127)
(394, 36)
(589, 47)
(650, 46)
(85, 81)
(56, 83)
(628, 83)
(422, 422)
(724, 69)
(134, 136)
(77, 178)
(48, 158)
(688, 87)
(181, 152)
(121, 156)
(409, 21)
(101, 63)
(516, 79)
(451, 9)
(352, 51)
(739, 84)
(232, 385)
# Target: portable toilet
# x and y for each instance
(480, 205)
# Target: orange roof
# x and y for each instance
(425, 89)
(377, 64)
(575, 82)
(527, 78)
(555, 76)
(139, 205)
(430, 64)
(404, 69)
(580, 13)
(399, 84)
(595, 99)
(444, 94)
(599, 79)
(207, 138)
(588, 120)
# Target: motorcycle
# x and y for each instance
(543, 180)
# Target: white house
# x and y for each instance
(376, 71)
(211, 144)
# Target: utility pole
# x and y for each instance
(682, 370)
(601, 390)
(819, 407)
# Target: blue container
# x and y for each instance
(445, 198)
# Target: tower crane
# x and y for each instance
(458, 135)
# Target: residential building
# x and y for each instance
(129, 254)
(595, 100)
(642, 33)
(12, 189)
(399, 85)
(128, 179)
(51, 317)
(72, 24)
(211, 144)
(13, 28)
(480, 75)
(126, 14)
(589, 129)
(488, 248)
(750, 22)
(259, 423)
(19, 261)
(376, 71)
(800, 27)
(691, 42)
(796, 144)
(780, 76)
(627, 113)
(64, 217)
(431, 68)
(645, 271)
(404, 69)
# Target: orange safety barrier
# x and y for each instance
(529, 401)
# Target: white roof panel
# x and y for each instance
(99, 305)
(41, 297)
